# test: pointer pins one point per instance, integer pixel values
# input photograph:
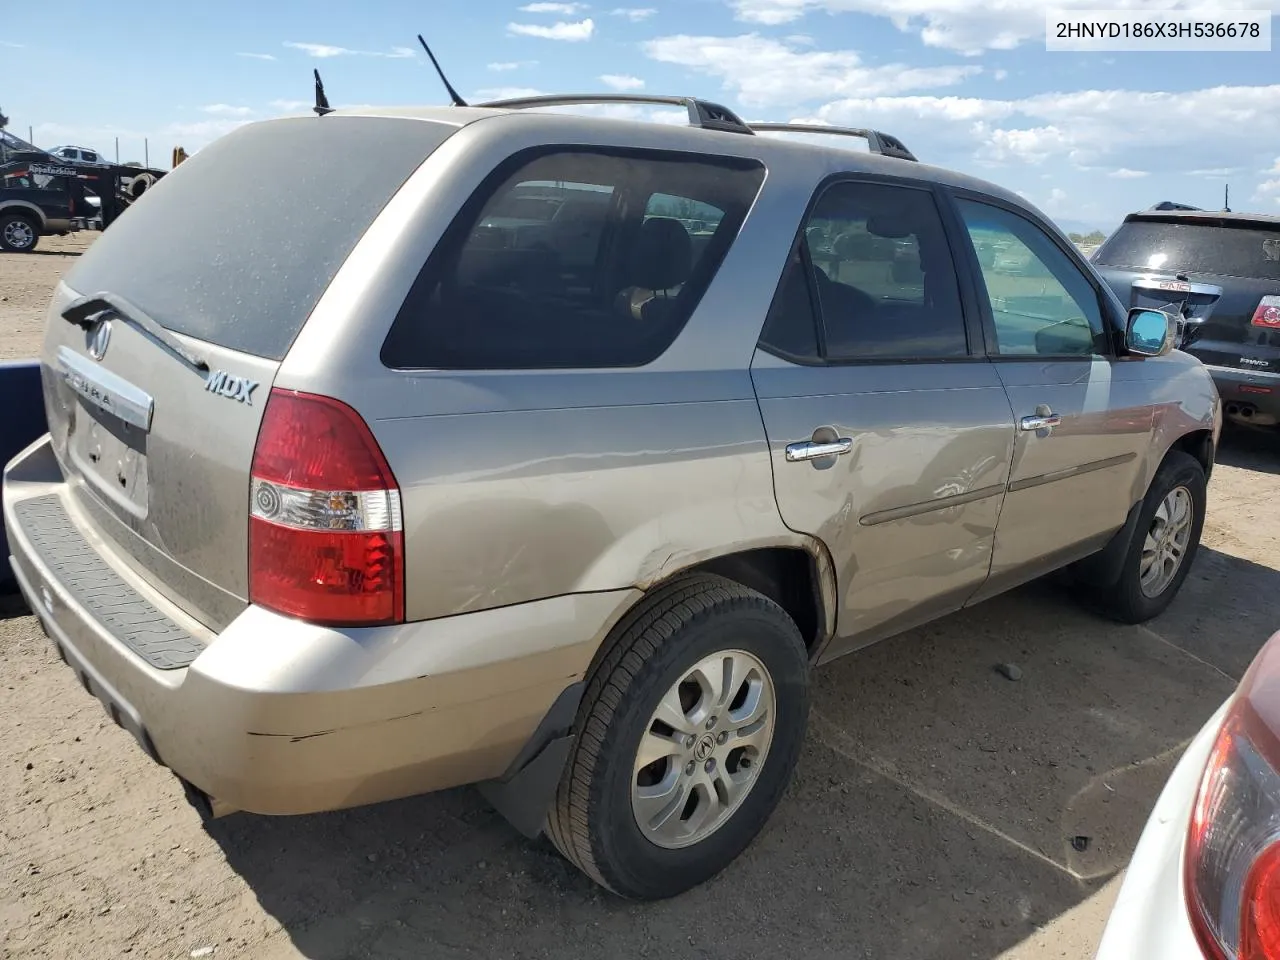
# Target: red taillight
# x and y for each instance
(1232, 865)
(1268, 313)
(325, 535)
(1260, 937)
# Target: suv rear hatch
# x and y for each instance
(163, 341)
(1177, 259)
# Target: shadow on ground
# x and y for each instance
(939, 809)
(1250, 448)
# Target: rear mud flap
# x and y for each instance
(524, 794)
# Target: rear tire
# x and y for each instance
(18, 234)
(1164, 544)
(733, 668)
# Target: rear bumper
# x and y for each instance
(1255, 396)
(276, 716)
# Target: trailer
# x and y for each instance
(43, 195)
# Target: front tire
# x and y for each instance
(687, 738)
(1164, 543)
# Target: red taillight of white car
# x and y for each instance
(326, 541)
(1233, 847)
(1268, 313)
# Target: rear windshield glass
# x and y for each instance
(237, 244)
(1194, 248)
(574, 258)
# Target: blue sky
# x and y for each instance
(966, 84)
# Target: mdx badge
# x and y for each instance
(225, 385)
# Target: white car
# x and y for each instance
(1204, 881)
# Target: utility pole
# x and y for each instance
(1226, 198)
(146, 154)
(117, 151)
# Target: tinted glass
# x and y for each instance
(884, 279)
(1243, 251)
(573, 259)
(90, 156)
(1040, 301)
(272, 231)
(791, 328)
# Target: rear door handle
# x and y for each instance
(812, 450)
(1040, 422)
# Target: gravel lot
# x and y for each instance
(932, 815)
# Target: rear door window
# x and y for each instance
(574, 258)
(239, 242)
(1189, 247)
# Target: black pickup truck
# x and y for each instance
(38, 198)
(1221, 272)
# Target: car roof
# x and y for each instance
(570, 127)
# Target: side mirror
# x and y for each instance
(1150, 333)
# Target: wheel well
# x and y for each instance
(22, 212)
(1198, 444)
(788, 576)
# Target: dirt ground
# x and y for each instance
(932, 814)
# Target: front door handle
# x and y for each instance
(1042, 421)
(812, 450)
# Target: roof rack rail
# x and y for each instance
(882, 143)
(702, 113)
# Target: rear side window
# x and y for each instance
(574, 258)
(1234, 251)
(237, 244)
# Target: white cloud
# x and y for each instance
(1000, 74)
(571, 32)
(323, 51)
(965, 25)
(507, 93)
(1159, 132)
(199, 132)
(622, 82)
(762, 71)
(257, 56)
(1214, 172)
(227, 110)
(512, 65)
(568, 9)
(1057, 203)
(319, 50)
(1270, 189)
(291, 106)
(634, 14)
(1124, 173)
(12, 46)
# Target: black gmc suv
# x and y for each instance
(1221, 271)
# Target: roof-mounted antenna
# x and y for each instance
(453, 94)
(322, 102)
